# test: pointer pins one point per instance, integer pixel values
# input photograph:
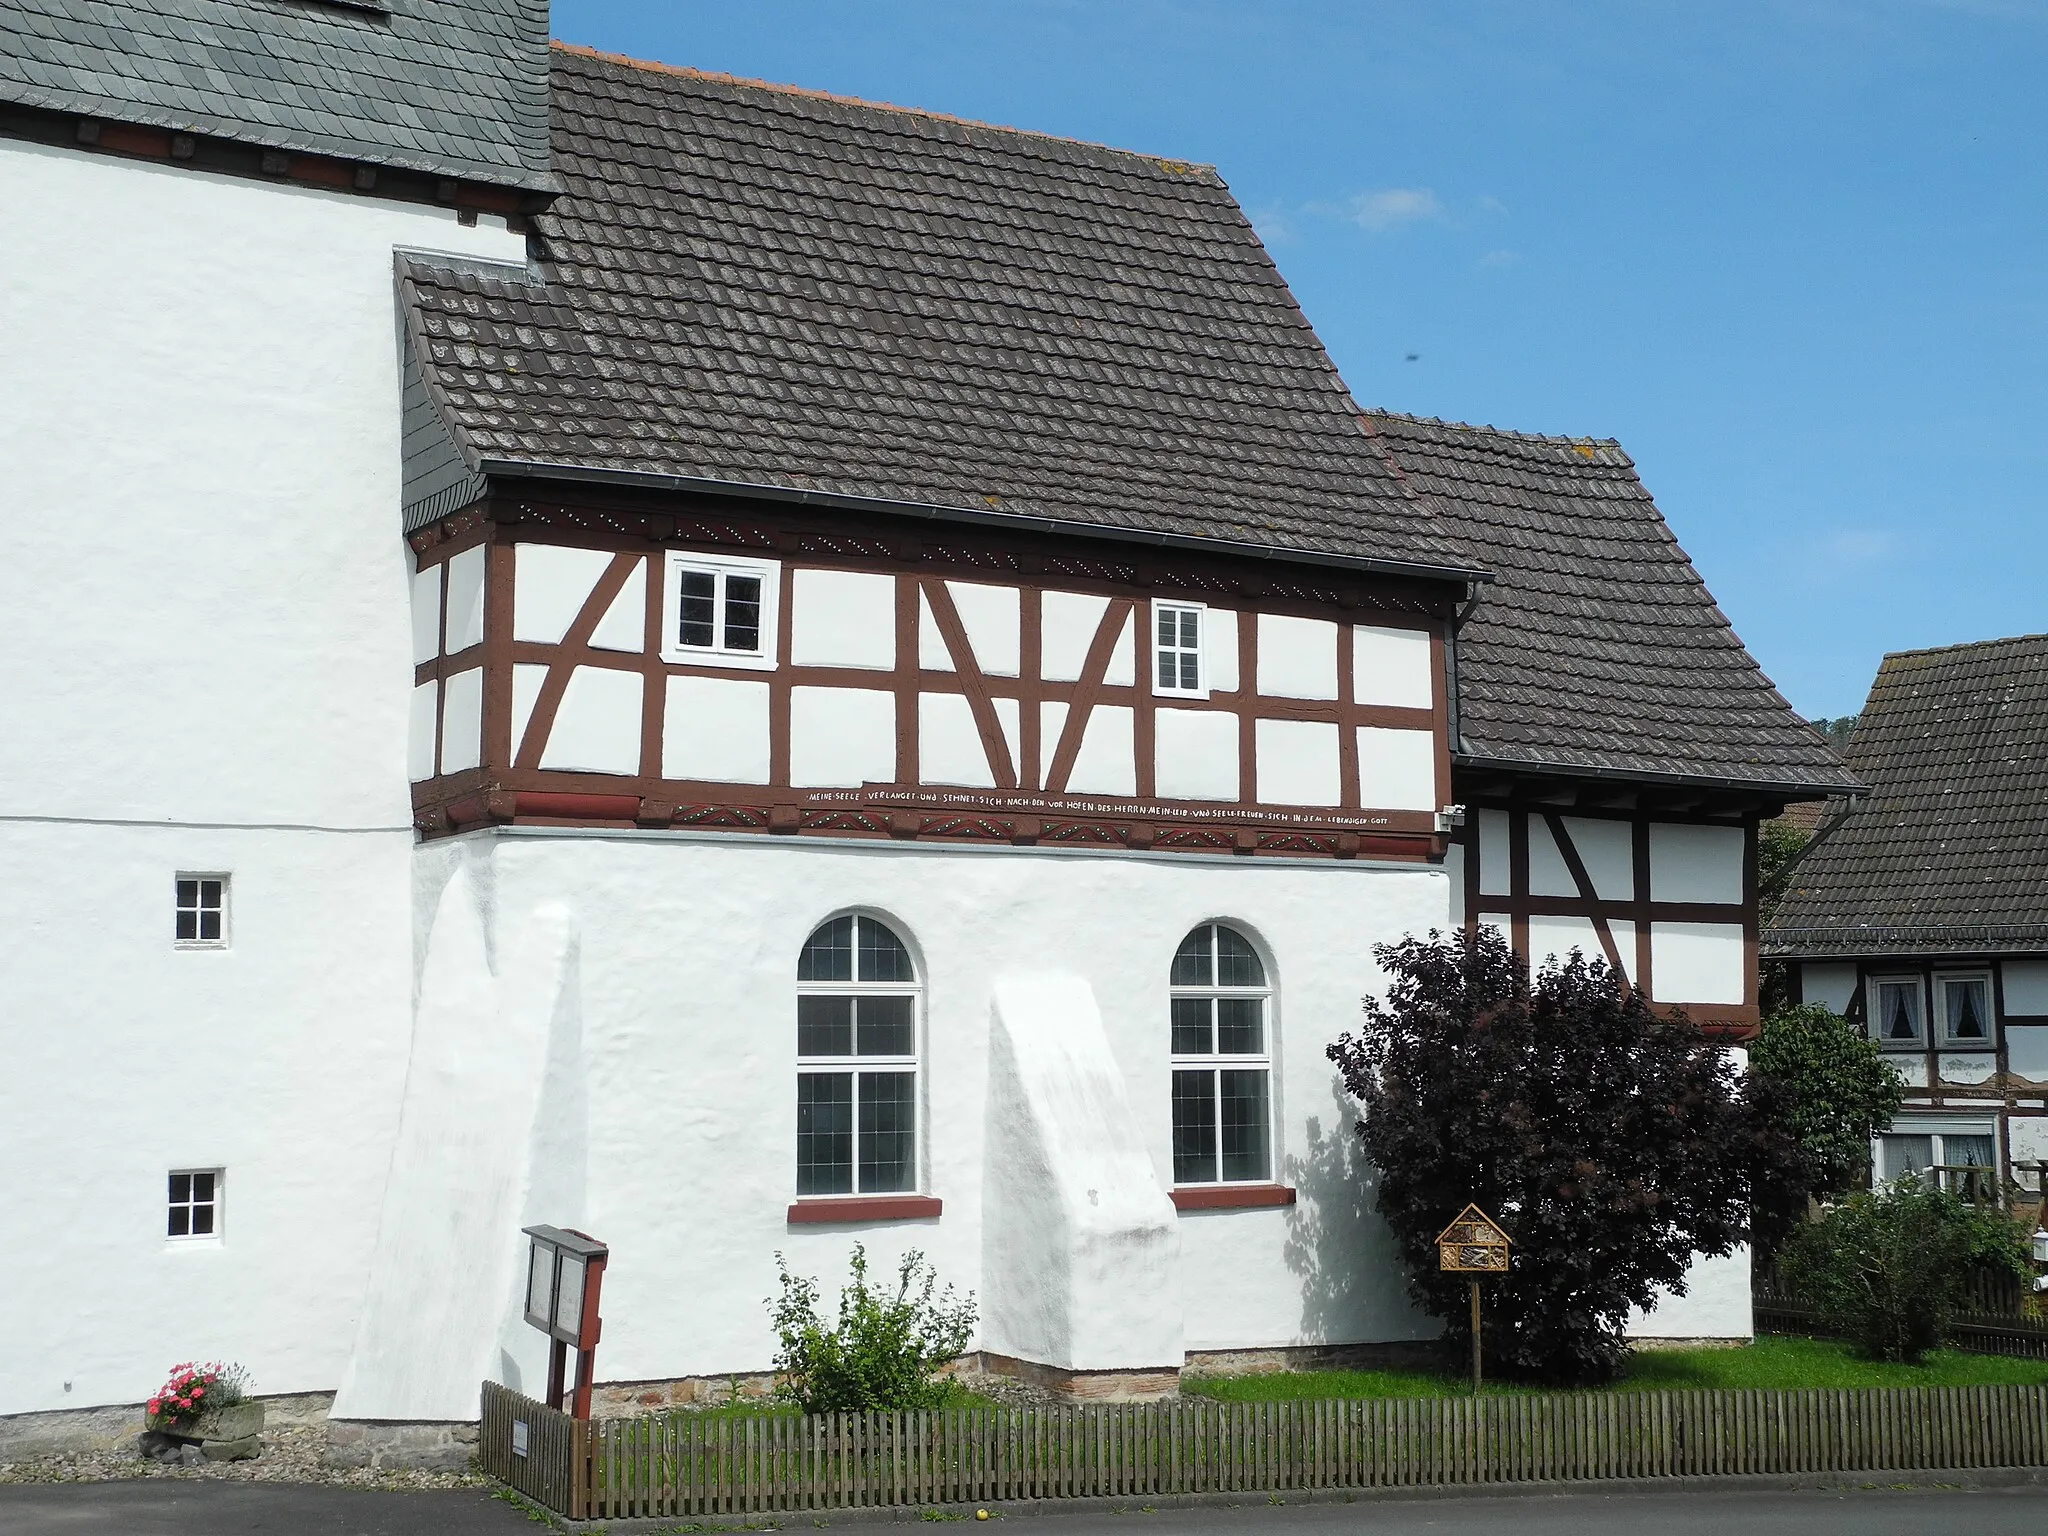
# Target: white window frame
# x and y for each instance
(1988, 1041)
(855, 1065)
(1215, 1063)
(722, 567)
(1874, 1012)
(1155, 648)
(178, 909)
(218, 1205)
(1937, 1130)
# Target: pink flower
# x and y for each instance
(199, 1391)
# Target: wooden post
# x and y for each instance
(558, 1365)
(1475, 1338)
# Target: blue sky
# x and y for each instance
(1794, 255)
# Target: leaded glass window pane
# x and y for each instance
(1194, 1127)
(824, 1026)
(882, 955)
(828, 953)
(1237, 963)
(1246, 1139)
(824, 1133)
(1241, 1026)
(1194, 961)
(888, 1131)
(888, 1026)
(1191, 1026)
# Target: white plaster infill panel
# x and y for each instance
(1396, 769)
(528, 677)
(1495, 869)
(1195, 754)
(1297, 659)
(1697, 963)
(1298, 762)
(1967, 1066)
(1107, 763)
(1122, 671)
(1080, 1247)
(1695, 863)
(993, 619)
(1555, 937)
(2026, 987)
(465, 599)
(1067, 623)
(715, 729)
(1549, 875)
(419, 741)
(550, 584)
(1608, 851)
(842, 619)
(2027, 1138)
(1219, 649)
(841, 737)
(932, 655)
(462, 720)
(949, 749)
(1831, 985)
(597, 728)
(426, 614)
(1392, 666)
(624, 625)
(2026, 1051)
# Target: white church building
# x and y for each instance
(744, 671)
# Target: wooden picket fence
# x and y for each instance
(704, 1464)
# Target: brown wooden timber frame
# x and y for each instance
(1517, 905)
(510, 786)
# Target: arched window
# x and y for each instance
(1222, 1060)
(856, 1049)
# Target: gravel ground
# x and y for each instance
(291, 1454)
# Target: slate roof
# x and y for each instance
(1950, 853)
(445, 87)
(1596, 647)
(769, 286)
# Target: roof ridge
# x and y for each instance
(1483, 426)
(719, 77)
(1967, 645)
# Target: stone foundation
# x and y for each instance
(386, 1445)
(69, 1431)
(1399, 1354)
(1126, 1386)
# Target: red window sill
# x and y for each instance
(865, 1208)
(1231, 1197)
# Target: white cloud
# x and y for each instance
(1499, 259)
(1392, 207)
(1859, 546)
(1272, 223)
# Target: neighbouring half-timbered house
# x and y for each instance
(1922, 913)
(924, 691)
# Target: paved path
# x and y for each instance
(160, 1507)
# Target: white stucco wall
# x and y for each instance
(209, 667)
(687, 969)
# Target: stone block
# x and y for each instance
(247, 1448)
(389, 1445)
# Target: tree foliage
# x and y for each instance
(885, 1350)
(1888, 1268)
(1613, 1143)
(1836, 1093)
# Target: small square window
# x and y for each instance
(194, 1204)
(1895, 1012)
(1177, 651)
(200, 918)
(1964, 1006)
(719, 611)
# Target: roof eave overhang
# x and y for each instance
(528, 469)
(1775, 789)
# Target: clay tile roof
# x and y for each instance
(759, 285)
(1950, 852)
(1596, 646)
(446, 87)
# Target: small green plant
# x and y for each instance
(885, 1350)
(1888, 1268)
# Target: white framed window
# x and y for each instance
(200, 916)
(856, 1047)
(1962, 1005)
(720, 611)
(194, 1205)
(1222, 1060)
(1897, 1012)
(1177, 670)
(1947, 1152)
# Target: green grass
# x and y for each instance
(957, 1396)
(1772, 1362)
